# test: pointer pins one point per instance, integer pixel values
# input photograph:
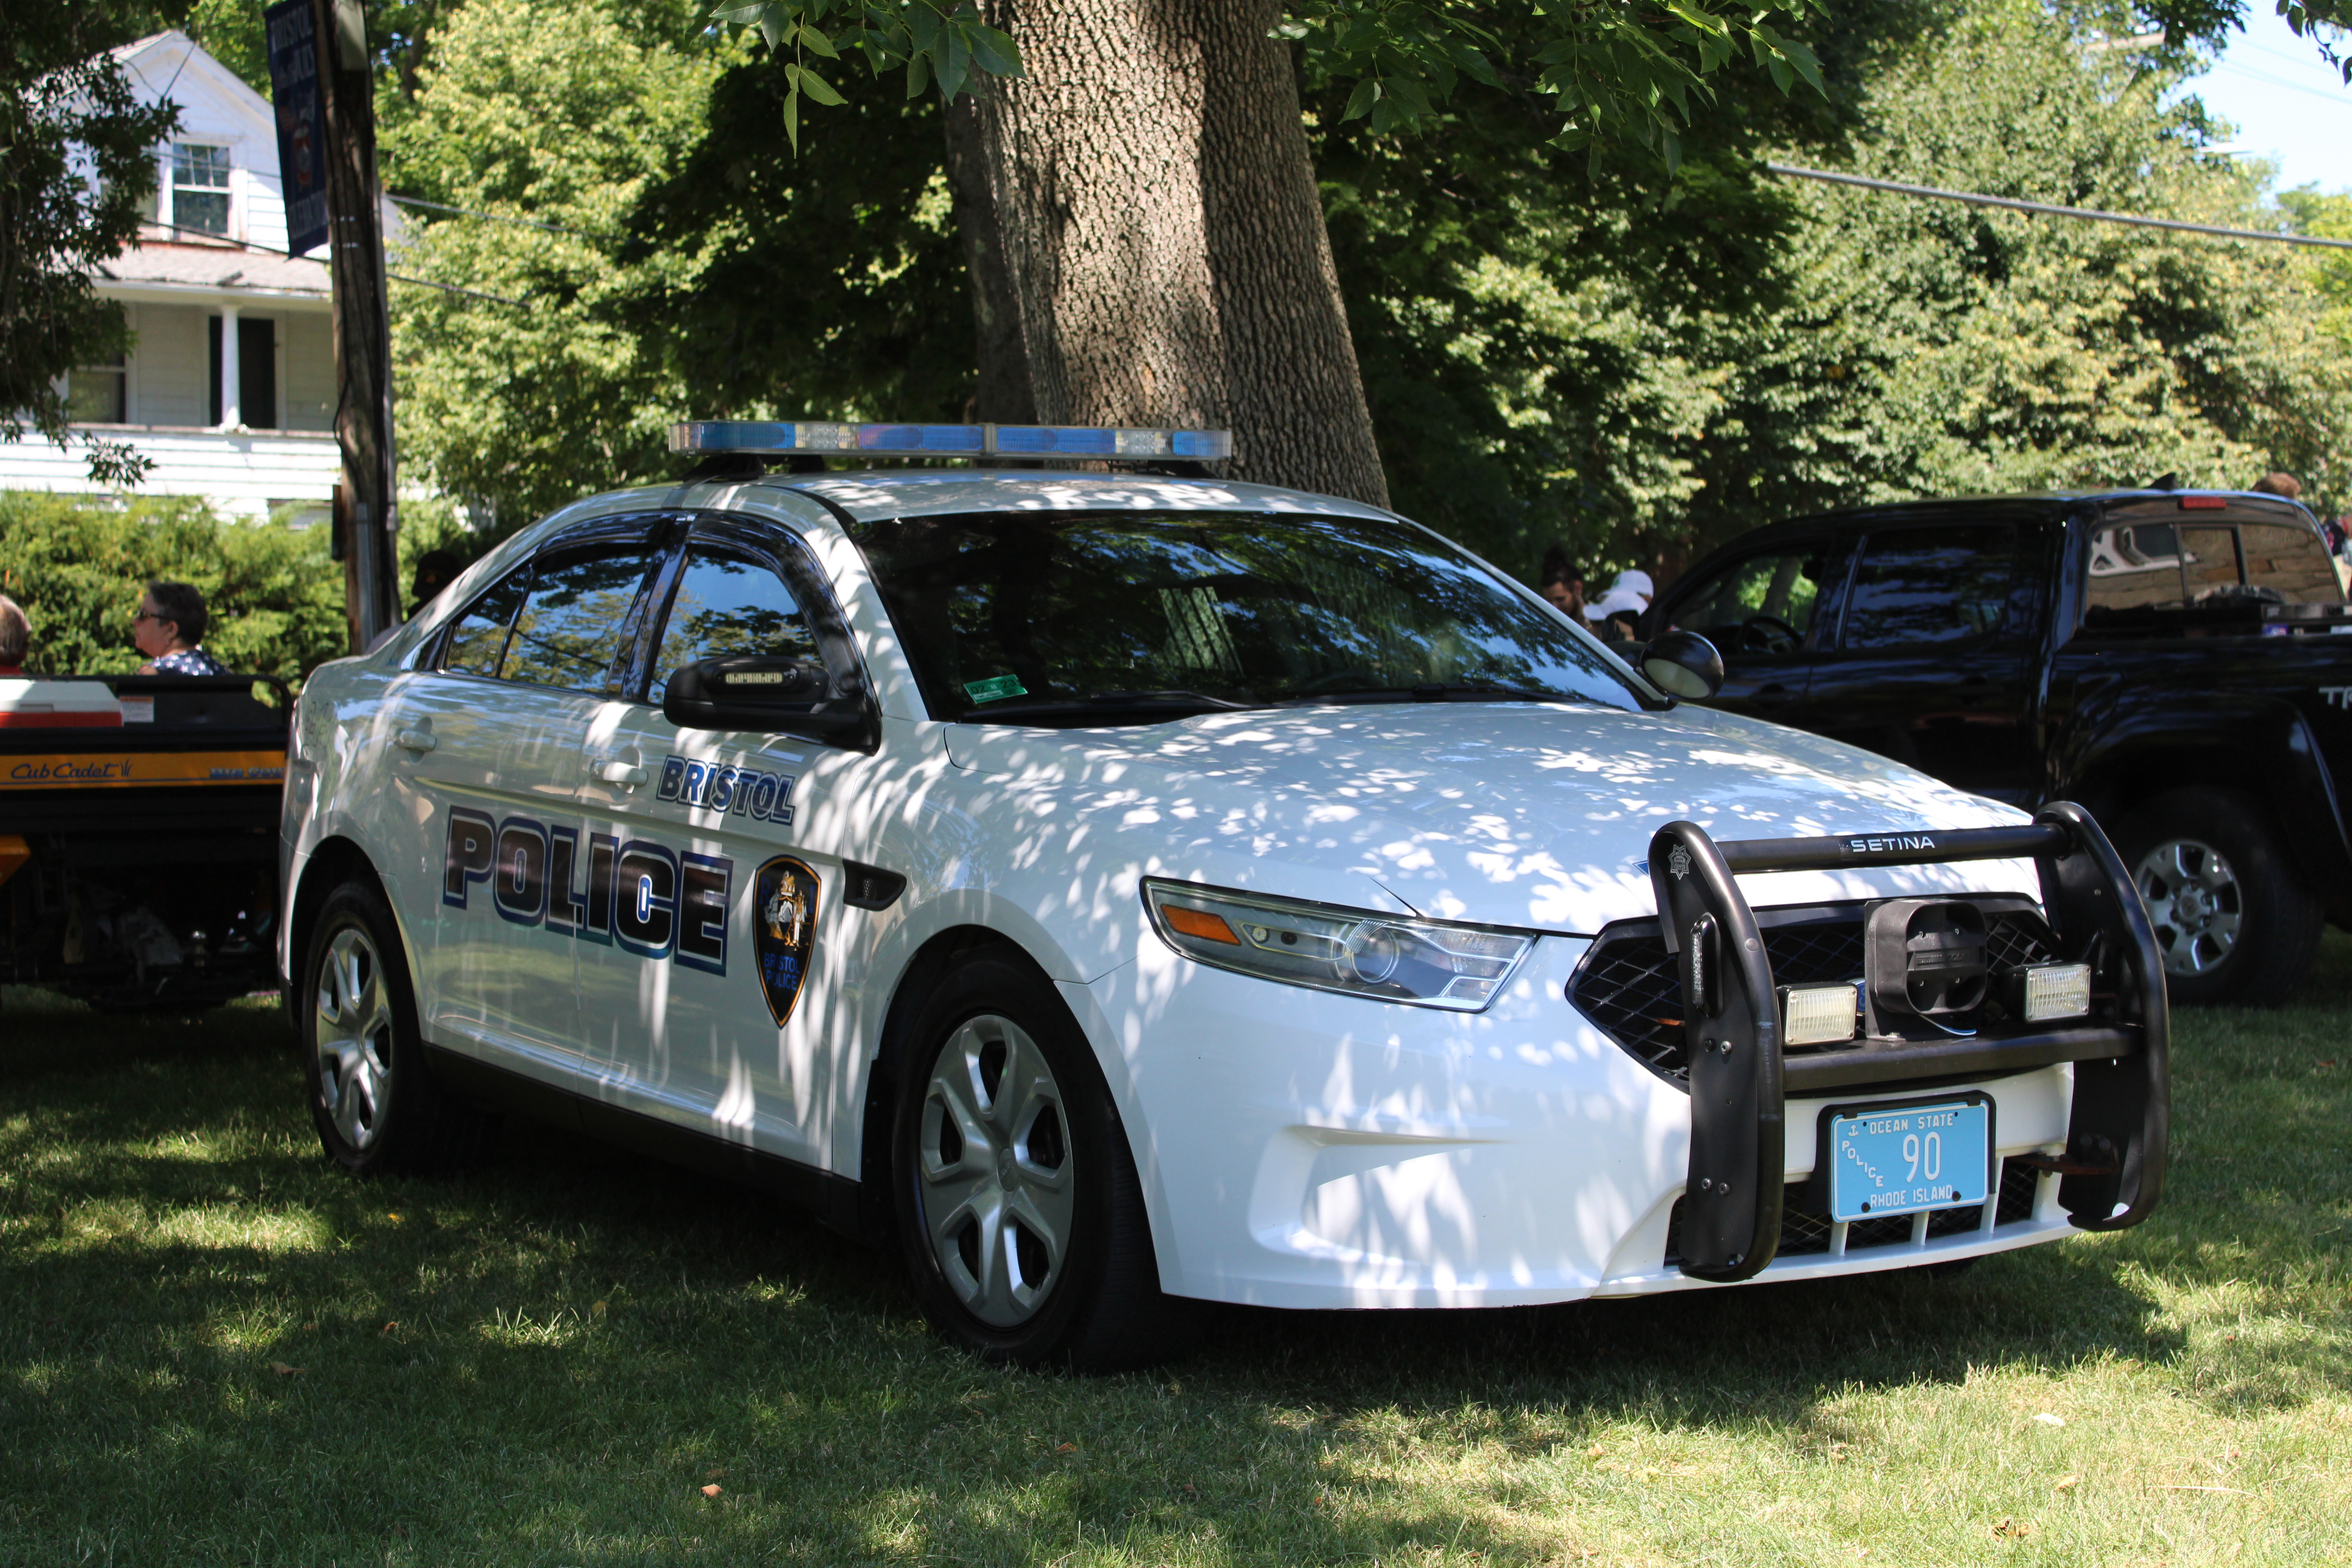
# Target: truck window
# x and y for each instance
(1941, 585)
(2134, 566)
(1754, 605)
(569, 633)
(2209, 565)
(727, 603)
(2289, 559)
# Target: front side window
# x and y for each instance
(1025, 614)
(1765, 602)
(477, 642)
(195, 193)
(570, 631)
(1923, 586)
(728, 604)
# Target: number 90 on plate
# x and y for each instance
(1896, 1160)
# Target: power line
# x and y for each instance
(273, 250)
(1977, 199)
(496, 218)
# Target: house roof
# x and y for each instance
(215, 266)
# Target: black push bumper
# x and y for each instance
(1740, 1075)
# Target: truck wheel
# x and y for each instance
(2235, 922)
(1019, 1212)
(372, 1095)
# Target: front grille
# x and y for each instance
(1802, 1233)
(1630, 985)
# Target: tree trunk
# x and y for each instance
(1145, 242)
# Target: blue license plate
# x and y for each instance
(1909, 1158)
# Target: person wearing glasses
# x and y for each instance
(169, 629)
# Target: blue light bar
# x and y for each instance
(1101, 443)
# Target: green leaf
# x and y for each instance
(817, 87)
(1360, 101)
(817, 43)
(918, 75)
(994, 52)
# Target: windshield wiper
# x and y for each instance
(1446, 691)
(1159, 704)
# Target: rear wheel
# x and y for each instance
(2234, 921)
(373, 1097)
(1020, 1214)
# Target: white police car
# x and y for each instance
(1112, 890)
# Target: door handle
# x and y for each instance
(419, 740)
(618, 768)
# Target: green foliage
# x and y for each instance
(561, 115)
(67, 114)
(1642, 367)
(934, 41)
(78, 567)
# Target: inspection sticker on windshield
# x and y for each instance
(995, 689)
(1902, 1160)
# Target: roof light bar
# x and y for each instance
(1101, 443)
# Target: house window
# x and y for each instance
(195, 189)
(98, 394)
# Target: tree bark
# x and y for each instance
(1145, 242)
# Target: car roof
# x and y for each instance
(2051, 503)
(877, 494)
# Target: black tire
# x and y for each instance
(2234, 921)
(1018, 1210)
(379, 1109)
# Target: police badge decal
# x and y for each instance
(783, 927)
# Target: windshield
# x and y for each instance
(1031, 616)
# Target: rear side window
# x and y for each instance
(570, 632)
(2144, 574)
(728, 604)
(1942, 584)
(478, 641)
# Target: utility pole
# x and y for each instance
(367, 515)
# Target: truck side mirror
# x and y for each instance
(1683, 664)
(745, 692)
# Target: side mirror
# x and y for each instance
(1683, 664)
(744, 691)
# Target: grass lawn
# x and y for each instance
(214, 1348)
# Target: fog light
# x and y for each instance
(2056, 991)
(1816, 1015)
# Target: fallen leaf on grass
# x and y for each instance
(597, 1309)
(282, 1370)
(2048, 1420)
(1067, 1448)
(711, 1491)
(2011, 1529)
(2066, 1484)
(389, 1328)
(1594, 1452)
(393, 1217)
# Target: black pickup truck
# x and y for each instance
(2166, 657)
(139, 837)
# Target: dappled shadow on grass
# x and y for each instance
(546, 1359)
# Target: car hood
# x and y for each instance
(1519, 814)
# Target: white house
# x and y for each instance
(229, 386)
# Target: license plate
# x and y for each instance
(1909, 1158)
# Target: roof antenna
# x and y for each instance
(2168, 482)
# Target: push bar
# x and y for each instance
(2119, 1131)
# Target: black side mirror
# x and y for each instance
(745, 692)
(1683, 664)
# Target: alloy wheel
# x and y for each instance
(999, 1188)
(2195, 902)
(353, 1034)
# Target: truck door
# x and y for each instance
(1760, 612)
(1932, 658)
(489, 743)
(707, 1004)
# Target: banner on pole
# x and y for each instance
(293, 33)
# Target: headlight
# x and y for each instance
(1360, 952)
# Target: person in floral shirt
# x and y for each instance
(169, 629)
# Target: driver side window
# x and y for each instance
(1765, 604)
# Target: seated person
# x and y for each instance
(15, 638)
(170, 630)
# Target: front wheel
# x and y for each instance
(373, 1097)
(2234, 922)
(1020, 1214)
